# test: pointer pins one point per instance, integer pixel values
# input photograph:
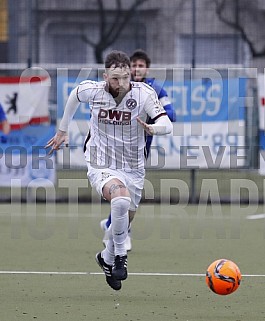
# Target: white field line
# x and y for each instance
(255, 217)
(100, 273)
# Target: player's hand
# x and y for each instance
(148, 128)
(55, 142)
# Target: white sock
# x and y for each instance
(108, 253)
(119, 224)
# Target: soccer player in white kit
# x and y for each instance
(140, 64)
(114, 149)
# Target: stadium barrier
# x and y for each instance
(215, 140)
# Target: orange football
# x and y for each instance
(223, 277)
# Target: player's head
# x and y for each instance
(117, 74)
(140, 63)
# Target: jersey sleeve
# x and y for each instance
(69, 110)
(84, 90)
(163, 98)
(153, 106)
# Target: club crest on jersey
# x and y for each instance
(131, 103)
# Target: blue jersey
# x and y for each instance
(2, 114)
(163, 98)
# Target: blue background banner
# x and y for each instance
(26, 138)
(24, 159)
(206, 100)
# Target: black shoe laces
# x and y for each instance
(120, 262)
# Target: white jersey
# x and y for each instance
(116, 140)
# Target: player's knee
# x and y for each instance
(121, 204)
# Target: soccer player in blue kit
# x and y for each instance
(4, 122)
(140, 64)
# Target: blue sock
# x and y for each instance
(108, 221)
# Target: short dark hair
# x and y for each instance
(117, 58)
(141, 54)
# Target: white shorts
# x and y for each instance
(133, 181)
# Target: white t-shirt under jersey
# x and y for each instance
(116, 140)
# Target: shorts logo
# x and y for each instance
(105, 175)
(131, 103)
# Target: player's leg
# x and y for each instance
(105, 226)
(135, 186)
(128, 241)
(116, 192)
(108, 222)
(105, 259)
(134, 182)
